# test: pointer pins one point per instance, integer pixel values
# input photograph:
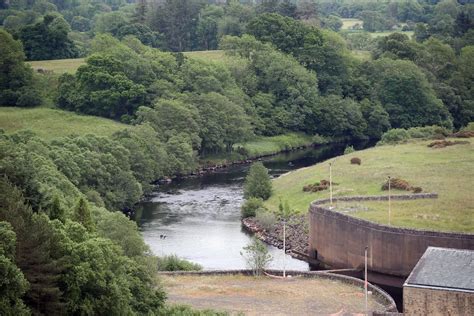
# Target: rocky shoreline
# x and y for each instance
(297, 228)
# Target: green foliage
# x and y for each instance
(48, 39)
(250, 207)
(183, 310)
(257, 182)
(16, 77)
(82, 215)
(55, 210)
(349, 150)
(394, 136)
(256, 255)
(265, 218)
(173, 263)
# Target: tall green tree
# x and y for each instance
(16, 77)
(82, 214)
(257, 182)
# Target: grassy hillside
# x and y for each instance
(448, 171)
(51, 123)
(348, 24)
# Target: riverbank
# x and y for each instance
(297, 228)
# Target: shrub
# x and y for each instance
(265, 218)
(257, 183)
(318, 186)
(250, 207)
(356, 161)
(173, 263)
(417, 189)
(396, 183)
(319, 140)
(446, 143)
(394, 136)
(469, 127)
(256, 255)
(427, 132)
(349, 150)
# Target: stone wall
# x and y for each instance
(339, 240)
(424, 301)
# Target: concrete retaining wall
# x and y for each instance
(339, 240)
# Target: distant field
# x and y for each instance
(379, 34)
(447, 171)
(249, 295)
(347, 24)
(207, 55)
(51, 123)
(58, 66)
(363, 55)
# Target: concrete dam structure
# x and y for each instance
(338, 240)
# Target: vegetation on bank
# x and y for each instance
(447, 171)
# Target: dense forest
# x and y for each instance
(66, 246)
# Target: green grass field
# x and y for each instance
(380, 34)
(447, 171)
(61, 66)
(51, 123)
(58, 66)
(347, 24)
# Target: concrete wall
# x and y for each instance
(423, 301)
(339, 240)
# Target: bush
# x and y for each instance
(428, 132)
(469, 127)
(398, 184)
(257, 183)
(265, 218)
(394, 136)
(184, 310)
(356, 161)
(173, 263)
(256, 255)
(319, 140)
(349, 150)
(250, 207)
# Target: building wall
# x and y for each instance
(339, 240)
(421, 301)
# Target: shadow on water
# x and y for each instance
(201, 216)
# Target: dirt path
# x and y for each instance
(266, 296)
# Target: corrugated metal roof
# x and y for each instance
(444, 268)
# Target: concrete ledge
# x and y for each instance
(387, 300)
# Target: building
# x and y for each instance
(442, 283)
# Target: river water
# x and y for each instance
(200, 217)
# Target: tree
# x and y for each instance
(207, 27)
(82, 214)
(257, 182)
(256, 255)
(13, 284)
(48, 39)
(16, 77)
(56, 211)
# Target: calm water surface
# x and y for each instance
(201, 216)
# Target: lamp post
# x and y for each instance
(365, 283)
(284, 247)
(330, 183)
(389, 202)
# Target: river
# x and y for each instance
(200, 217)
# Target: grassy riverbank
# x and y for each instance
(52, 123)
(448, 171)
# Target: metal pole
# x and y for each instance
(330, 183)
(366, 285)
(284, 248)
(389, 203)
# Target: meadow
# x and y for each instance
(51, 123)
(447, 171)
(61, 66)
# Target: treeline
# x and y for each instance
(64, 29)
